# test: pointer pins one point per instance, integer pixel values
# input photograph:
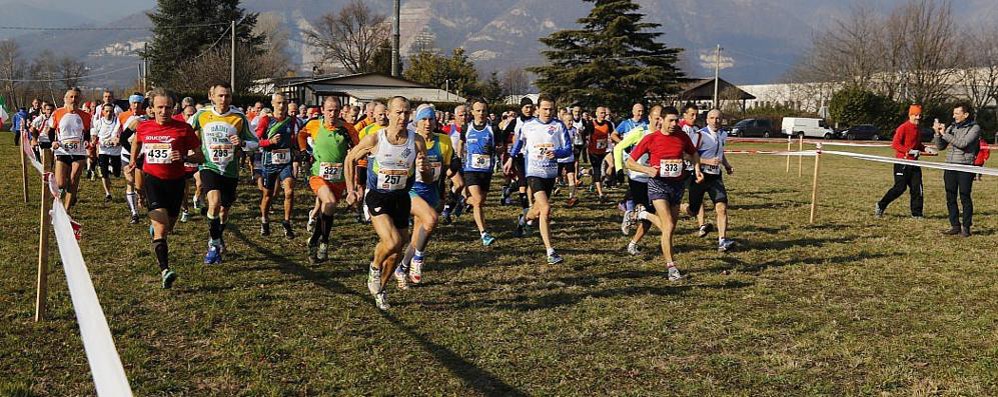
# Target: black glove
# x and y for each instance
(620, 175)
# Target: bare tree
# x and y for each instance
(350, 37)
(979, 76)
(194, 75)
(44, 68)
(71, 71)
(12, 68)
(931, 48)
(514, 81)
(275, 48)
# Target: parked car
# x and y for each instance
(754, 127)
(868, 132)
(809, 127)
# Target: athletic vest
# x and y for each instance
(391, 167)
(330, 150)
(479, 145)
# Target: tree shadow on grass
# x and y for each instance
(800, 242)
(733, 263)
(473, 376)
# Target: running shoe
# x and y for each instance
(877, 211)
(168, 278)
(107, 198)
(264, 228)
(704, 230)
(626, 223)
(555, 259)
(674, 273)
(185, 216)
(381, 300)
(400, 278)
(487, 239)
(134, 219)
(323, 252)
(633, 249)
(724, 245)
(213, 256)
(288, 232)
(518, 232)
(416, 270)
(313, 258)
(374, 280)
(572, 201)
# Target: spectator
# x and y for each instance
(963, 140)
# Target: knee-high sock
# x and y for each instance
(327, 226)
(162, 252)
(214, 228)
(132, 201)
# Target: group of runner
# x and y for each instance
(396, 167)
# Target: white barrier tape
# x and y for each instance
(927, 164)
(829, 143)
(805, 153)
(105, 365)
(26, 148)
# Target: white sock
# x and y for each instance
(483, 233)
(550, 251)
(131, 199)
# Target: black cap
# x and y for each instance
(526, 101)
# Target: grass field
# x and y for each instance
(851, 305)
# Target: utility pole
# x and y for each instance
(717, 74)
(396, 69)
(145, 67)
(232, 59)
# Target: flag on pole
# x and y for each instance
(4, 116)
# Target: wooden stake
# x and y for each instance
(789, 142)
(24, 171)
(814, 185)
(43, 239)
(800, 157)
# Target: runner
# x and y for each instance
(276, 134)
(304, 136)
(711, 151)
(617, 134)
(456, 130)
(582, 128)
(166, 144)
(106, 130)
(666, 149)
(425, 195)
(566, 165)
(688, 124)
(190, 168)
(380, 121)
(330, 143)
(544, 140)
(72, 139)
(598, 141)
(129, 120)
(480, 148)
(637, 181)
(512, 131)
(222, 130)
(41, 129)
(395, 155)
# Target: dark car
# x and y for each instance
(754, 127)
(866, 132)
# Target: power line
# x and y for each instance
(33, 28)
(213, 44)
(69, 78)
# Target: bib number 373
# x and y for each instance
(670, 168)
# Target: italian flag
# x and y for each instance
(4, 116)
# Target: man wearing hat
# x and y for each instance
(907, 146)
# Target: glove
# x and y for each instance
(620, 175)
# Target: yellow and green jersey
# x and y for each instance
(220, 155)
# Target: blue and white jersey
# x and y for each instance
(570, 134)
(516, 133)
(712, 147)
(479, 146)
(628, 125)
(536, 139)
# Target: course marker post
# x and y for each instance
(789, 142)
(45, 220)
(24, 170)
(800, 157)
(814, 184)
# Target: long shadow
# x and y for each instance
(801, 242)
(732, 263)
(479, 379)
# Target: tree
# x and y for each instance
(71, 71)
(491, 89)
(351, 37)
(12, 68)
(854, 106)
(514, 81)
(382, 60)
(185, 29)
(455, 73)
(613, 60)
(979, 76)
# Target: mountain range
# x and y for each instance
(760, 38)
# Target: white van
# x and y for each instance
(815, 128)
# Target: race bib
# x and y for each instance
(106, 145)
(389, 179)
(71, 145)
(542, 150)
(481, 160)
(670, 168)
(577, 139)
(437, 168)
(601, 144)
(332, 172)
(280, 156)
(710, 166)
(158, 153)
(221, 153)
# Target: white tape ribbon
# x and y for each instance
(927, 164)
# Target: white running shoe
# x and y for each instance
(625, 224)
(400, 277)
(416, 270)
(633, 249)
(374, 280)
(674, 273)
(724, 245)
(381, 300)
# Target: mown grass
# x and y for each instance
(851, 305)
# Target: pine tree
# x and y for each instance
(613, 60)
(204, 23)
(456, 73)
